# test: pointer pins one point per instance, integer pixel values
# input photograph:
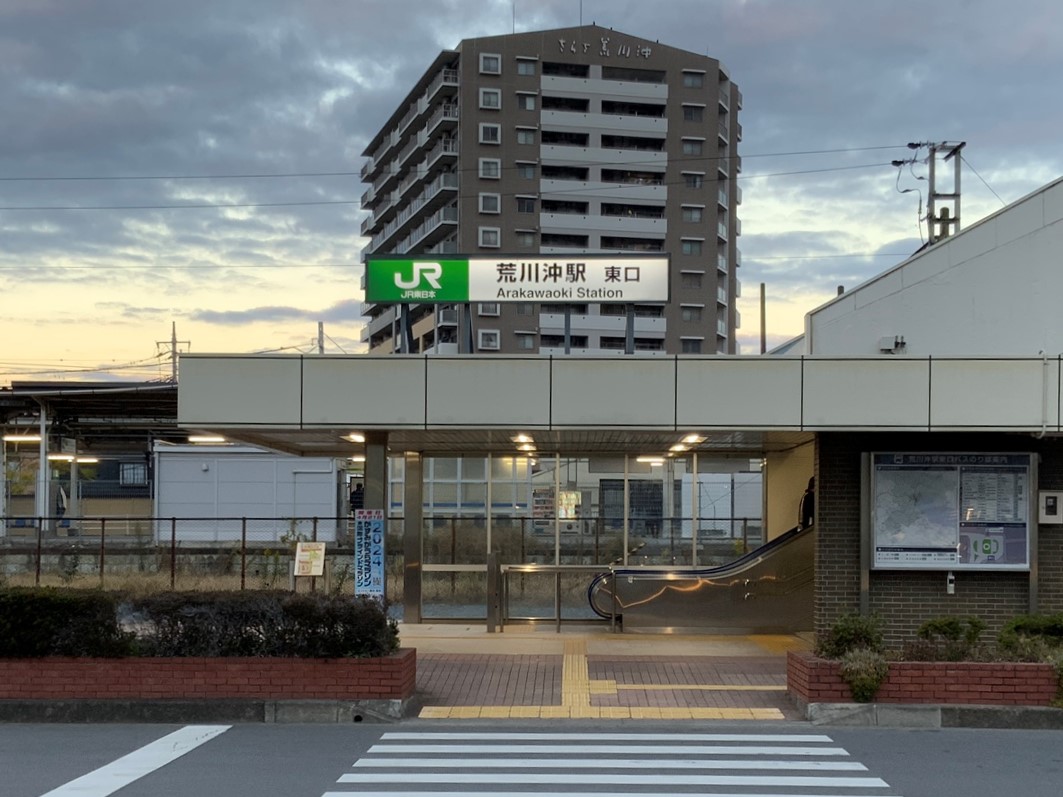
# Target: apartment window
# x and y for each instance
(526, 102)
(525, 204)
(525, 238)
(490, 64)
(490, 133)
(693, 146)
(690, 279)
(693, 113)
(525, 66)
(693, 179)
(524, 308)
(132, 474)
(490, 237)
(691, 247)
(488, 308)
(690, 312)
(526, 341)
(491, 99)
(525, 135)
(490, 203)
(488, 339)
(693, 80)
(690, 345)
(490, 168)
(693, 214)
(525, 170)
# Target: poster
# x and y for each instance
(369, 552)
(309, 558)
(950, 511)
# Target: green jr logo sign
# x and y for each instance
(412, 280)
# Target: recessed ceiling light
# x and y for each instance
(355, 437)
(205, 438)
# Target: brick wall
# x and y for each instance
(387, 678)
(905, 599)
(814, 680)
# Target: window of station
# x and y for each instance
(631, 177)
(565, 206)
(694, 113)
(632, 211)
(565, 139)
(563, 240)
(640, 143)
(633, 109)
(570, 104)
(566, 70)
(627, 244)
(565, 172)
(633, 75)
(526, 67)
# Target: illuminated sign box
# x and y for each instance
(568, 278)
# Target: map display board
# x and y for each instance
(950, 511)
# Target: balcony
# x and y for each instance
(447, 79)
(445, 116)
(721, 263)
(722, 198)
(432, 194)
(448, 317)
(725, 134)
(721, 231)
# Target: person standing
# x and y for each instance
(807, 511)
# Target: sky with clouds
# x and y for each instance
(263, 107)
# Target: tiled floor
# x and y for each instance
(599, 675)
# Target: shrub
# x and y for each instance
(1031, 635)
(947, 639)
(851, 632)
(37, 622)
(864, 670)
(261, 624)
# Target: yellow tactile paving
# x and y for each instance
(697, 687)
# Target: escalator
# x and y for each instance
(769, 590)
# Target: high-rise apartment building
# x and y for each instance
(575, 140)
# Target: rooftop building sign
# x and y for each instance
(572, 278)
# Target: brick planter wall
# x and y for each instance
(389, 678)
(810, 679)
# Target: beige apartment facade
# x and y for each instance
(553, 143)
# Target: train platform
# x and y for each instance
(589, 672)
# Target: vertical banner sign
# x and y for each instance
(369, 552)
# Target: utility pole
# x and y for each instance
(943, 222)
(320, 337)
(172, 349)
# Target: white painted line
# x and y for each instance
(612, 763)
(618, 737)
(508, 793)
(607, 779)
(120, 773)
(598, 749)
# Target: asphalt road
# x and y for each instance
(523, 758)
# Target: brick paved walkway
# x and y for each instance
(610, 676)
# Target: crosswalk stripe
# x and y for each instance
(610, 763)
(555, 793)
(598, 749)
(608, 779)
(618, 737)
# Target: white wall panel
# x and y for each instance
(364, 391)
(632, 391)
(234, 390)
(740, 393)
(871, 393)
(489, 391)
(1054, 203)
(995, 393)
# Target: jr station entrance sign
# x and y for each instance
(569, 278)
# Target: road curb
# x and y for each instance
(893, 715)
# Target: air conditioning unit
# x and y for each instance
(892, 344)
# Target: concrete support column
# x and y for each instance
(413, 511)
(376, 471)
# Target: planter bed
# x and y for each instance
(57, 678)
(810, 679)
